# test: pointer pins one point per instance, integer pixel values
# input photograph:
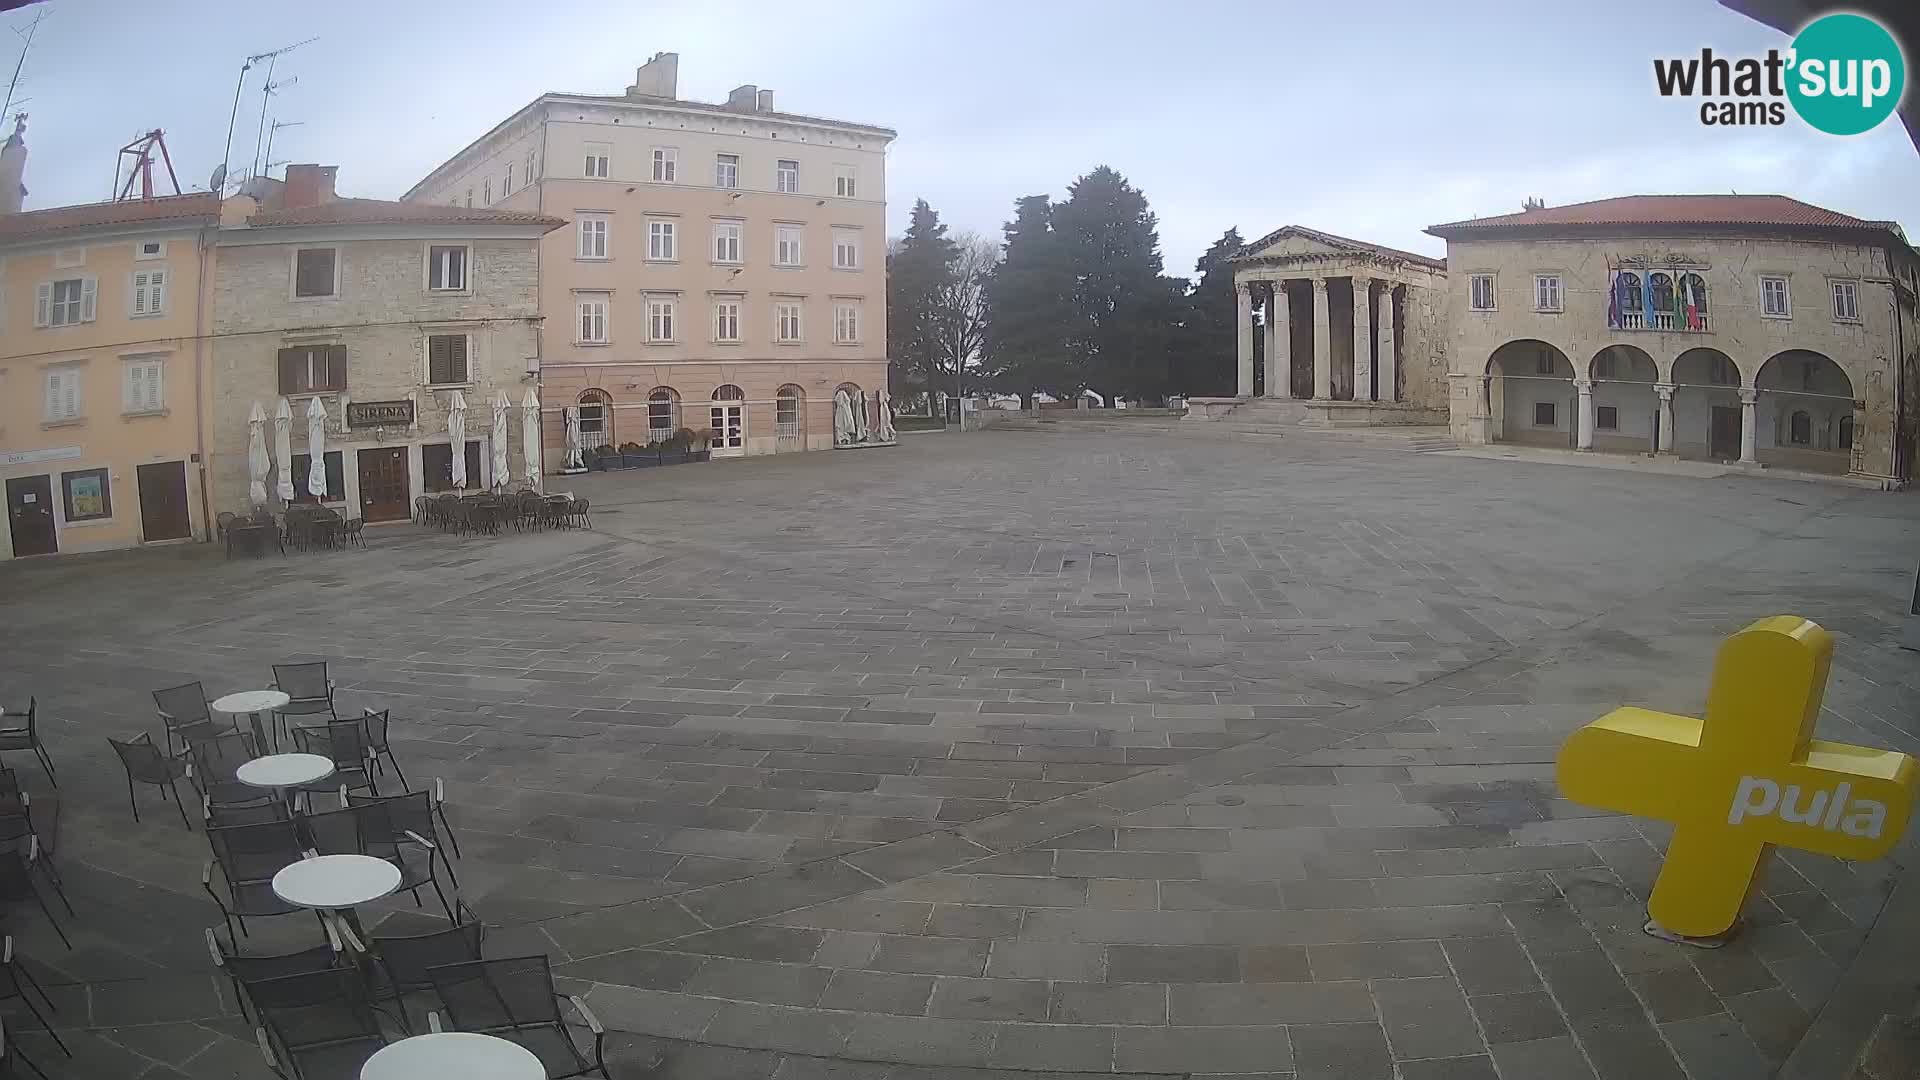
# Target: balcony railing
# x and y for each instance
(1666, 321)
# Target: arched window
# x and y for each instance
(789, 404)
(596, 419)
(1846, 433)
(1800, 428)
(729, 392)
(663, 413)
(1662, 294)
(1696, 291)
(1629, 292)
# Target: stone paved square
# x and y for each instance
(1048, 752)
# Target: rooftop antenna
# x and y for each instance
(267, 90)
(14, 83)
(226, 156)
(272, 130)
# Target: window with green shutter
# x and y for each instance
(447, 359)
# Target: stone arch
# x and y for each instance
(1626, 409)
(1530, 394)
(1804, 412)
(1708, 405)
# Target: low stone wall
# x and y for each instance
(1370, 414)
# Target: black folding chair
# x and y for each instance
(144, 762)
(27, 737)
(368, 829)
(515, 999)
(410, 818)
(402, 961)
(187, 715)
(248, 857)
(243, 971)
(344, 742)
(374, 725)
(213, 763)
(308, 687)
(317, 1025)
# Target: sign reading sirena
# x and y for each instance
(380, 413)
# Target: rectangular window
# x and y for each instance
(593, 237)
(1606, 418)
(786, 414)
(844, 181)
(1543, 363)
(87, 495)
(447, 359)
(1603, 366)
(593, 319)
(846, 249)
(333, 466)
(149, 292)
(143, 391)
(846, 324)
(486, 192)
(666, 164)
(1774, 302)
(313, 272)
(1720, 372)
(726, 241)
(660, 415)
(1546, 292)
(786, 322)
(447, 268)
(63, 394)
(1543, 414)
(726, 170)
(150, 249)
(506, 182)
(313, 369)
(726, 320)
(660, 320)
(786, 176)
(469, 198)
(786, 245)
(597, 160)
(1846, 301)
(660, 243)
(531, 175)
(1480, 292)
(64, 303)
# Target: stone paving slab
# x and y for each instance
(1063, 754)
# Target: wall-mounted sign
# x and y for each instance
(27, 457)
(1744, 779)
(379, 413)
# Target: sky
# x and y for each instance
(1370, 120)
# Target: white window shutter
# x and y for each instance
(72, 393)
(54, 395)
(153, 386)
(157, 291)
(43, 304)
(89, 290)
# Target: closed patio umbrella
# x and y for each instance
(257, 462)
(457, 435)
(316, 448)
(530, 437)
(501, 476)
(283, 451)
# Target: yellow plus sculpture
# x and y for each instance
(1747, 777)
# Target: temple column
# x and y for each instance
(1583, 431)
(1322, 356)
(1362, 339)
(1388, 364)
(1279, 331)
(1748, 416)
(1664, 429)
(1243, 296)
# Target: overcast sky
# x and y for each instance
(1371, 119)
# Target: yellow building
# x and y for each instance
(102, 324)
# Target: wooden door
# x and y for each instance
(1723, 438)
(163, 501)
(30, 515)
(384, 484)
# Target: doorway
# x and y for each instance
(729, 413)
(384, 484)
(1723, 436)
(163, 502)
(30, 515)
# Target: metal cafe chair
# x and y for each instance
(248, 857)
(144, 762)
(16, 883)
(368, 829)
(316, 1025)
(515, 999)
(187, 715)
(243, 971)
(343, 742)
(212, 763)
(374, 724)
(308, 686)
(401, 962)
(28, 737)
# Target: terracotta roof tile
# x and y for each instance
(1750, 210)
(385, 212)
(172, 209)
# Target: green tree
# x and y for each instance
(1206, 361)
(1029, 296)
(920, 271)
(1126, 312)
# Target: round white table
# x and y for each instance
(285, 773)
(461, 1054)
(253, 703)
(334, 882)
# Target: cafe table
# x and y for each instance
(336, 883)
(285, 773)
(464, 1055)
(253, 703)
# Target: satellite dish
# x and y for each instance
(219, 178)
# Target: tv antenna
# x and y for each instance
(226, 156)
(272, 130)
(14, 83)
(267, 90)
(141, 168)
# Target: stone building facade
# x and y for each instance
(384, 312)
(1348, 330)
(724, 269)
(1756, 329)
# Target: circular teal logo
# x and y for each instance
(1847, 74)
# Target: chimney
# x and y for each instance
(658, 77)
(309, 185)
(743, 98)
(13, 167)
(764, 101)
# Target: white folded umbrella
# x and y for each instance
(530, 436)
(501, 476)
(283, 451)
(316, 448)
(457, 435)
(257, 462)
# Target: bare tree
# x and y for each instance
(960, 314)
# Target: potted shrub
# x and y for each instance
(701, 450)
(596, 458)
(630, 455)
